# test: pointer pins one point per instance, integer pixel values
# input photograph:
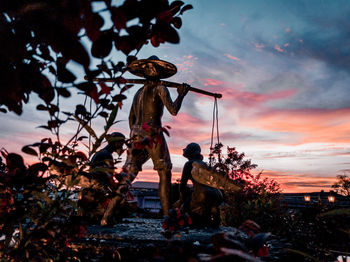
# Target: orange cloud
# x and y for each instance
(290, 183)
(151, 175)
(313, 125)
(299, 183)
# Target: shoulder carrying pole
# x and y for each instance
(161, 82)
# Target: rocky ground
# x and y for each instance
(138, 239)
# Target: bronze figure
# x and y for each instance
(101, 183)
(203, 203)
(146, 125)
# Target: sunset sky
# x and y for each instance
(283, 68)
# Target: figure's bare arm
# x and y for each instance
(186, 174)
(173, 107)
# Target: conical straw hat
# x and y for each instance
(159, 68)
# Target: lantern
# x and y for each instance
(307, 198)
(331, 199)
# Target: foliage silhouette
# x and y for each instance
(342, 186)
(39, 40)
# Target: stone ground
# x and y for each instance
(149, 230)
(140, 239)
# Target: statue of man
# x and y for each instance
(146, 125)
(102, 171)
(203, 203)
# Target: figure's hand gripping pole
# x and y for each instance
(161, 82)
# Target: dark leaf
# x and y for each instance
(104, 102)
(170, 35)
(176, 3)
(119, 98)
(124, 43)
(88, 128)
(41, 107)
(62, 40)
(30, 151)
(126, 87)
(45, 159)
(43, 147)
(37, 167)
(185, 8)
(80, 110)
(81, 155)
(53, 109)
(93, 24)
(177, 22)
(53, 123)
(67, 113)
(64, 75)
(81, 138)
(46, 91)
(104, 68)
(94, 73)
(103, 45)
(175, 6)
(118, 17)
(84, 86)
(110, 106)
(45, 127)
(165, 17)
(94, 94)
(111, 118)
(119, 67)
(63, 92)
(103, 114)
(104, 88)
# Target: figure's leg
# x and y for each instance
(204, 205)
(164, 189)
(162, 163)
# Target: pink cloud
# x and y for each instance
(252, 98)
(213, 82)
(186, 63)
(232, 57)
(188, 127)
(259, 46)
(278, 48)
